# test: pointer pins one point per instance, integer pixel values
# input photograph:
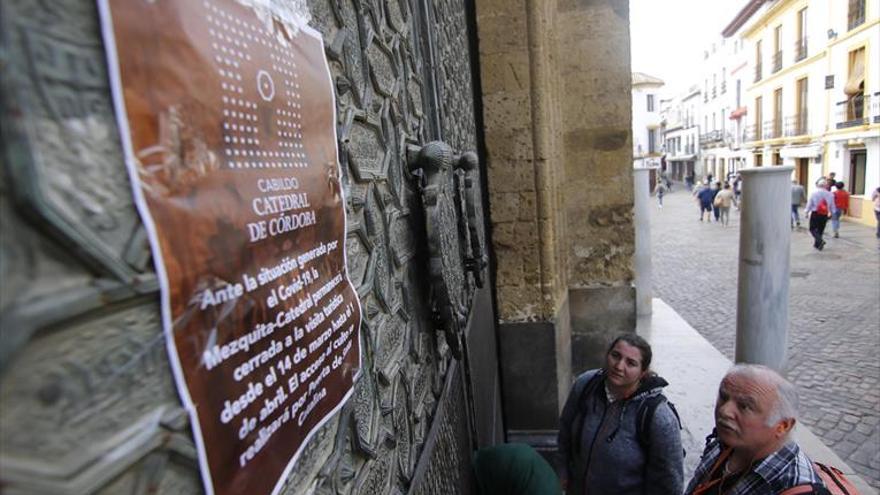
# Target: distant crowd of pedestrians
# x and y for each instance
(829, 202)
(715, 199)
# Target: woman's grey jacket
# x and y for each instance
(607, 457)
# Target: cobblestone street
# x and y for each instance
(834, 339)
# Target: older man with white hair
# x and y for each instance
(752, 452)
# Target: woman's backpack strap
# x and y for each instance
(577, 426)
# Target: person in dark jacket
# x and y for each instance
(602, 449)
(715, 208)
(706, 196)
(514, 469)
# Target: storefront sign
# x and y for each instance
(227, 120)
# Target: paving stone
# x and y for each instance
(857, 437)
(864, 428)
(834, 334)
(846, 448)
(834, 435)
(849, 418)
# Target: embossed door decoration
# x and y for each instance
(227, 122)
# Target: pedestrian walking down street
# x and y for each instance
(819, 207)
(664, 178)
(875, 198)
(715, 211)
(705, 195)
(737, 189)
(661, 191)
(841, 201)
(831, 180)
(798, 197)
(689, 181)
(724, 200)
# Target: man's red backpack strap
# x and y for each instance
(834, 479)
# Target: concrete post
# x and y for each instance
(764, 254)
(642, 257)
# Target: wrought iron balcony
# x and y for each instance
(858, 110)
(753, 133)
(777, 61)
(758, 72)
(875, 108)
(712, 137)
(773, 128)
(800, 49)
(796, 125)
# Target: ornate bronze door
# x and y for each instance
(87, 399)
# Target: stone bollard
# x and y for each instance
(642, 256)
(764, 255)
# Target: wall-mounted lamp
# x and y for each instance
(832, 34)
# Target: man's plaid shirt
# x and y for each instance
(781, 470)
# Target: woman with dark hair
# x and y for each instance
(617, 433)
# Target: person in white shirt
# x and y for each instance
(819, 207)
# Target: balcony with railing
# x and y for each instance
(875, 108)
(859, 110)
(772, 129)
(758, 73)
(777, 61)
(800, 49)
(796, 125)
(712, 138)
(752, 133)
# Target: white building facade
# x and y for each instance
(646, 133)
(721, 134)
(852, 140)
(813, 98)
(682, 135)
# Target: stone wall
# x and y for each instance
(598, 194)
(557, 109)
(521, 129)
(596, 117)
(556, 98)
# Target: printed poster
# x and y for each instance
(227, 119)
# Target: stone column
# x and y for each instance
(764, 252)
(642, 256)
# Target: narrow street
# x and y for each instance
(834, 335)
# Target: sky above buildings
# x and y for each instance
(669, 36)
